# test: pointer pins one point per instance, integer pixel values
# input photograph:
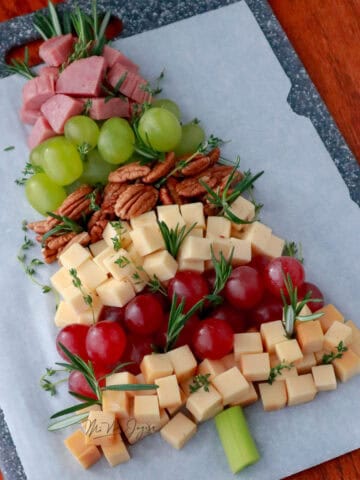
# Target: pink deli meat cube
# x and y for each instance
(113, 56)
(36, 91)
(131, 85)
(49, 71)
(82, 78)
(58, 109)
(115, 107)
(40, 132)
(56, 50)
(29, 116)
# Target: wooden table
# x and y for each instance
(326, 36)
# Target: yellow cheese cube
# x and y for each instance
(115, 451)
(355, 338)
(185, 385)
(305, 364)
(156, 365)
(135, 430)
(148, 218)
(161, 265)
(228, 361)
(146, 409)
(120, 265)
(115, 293)
(116, 402)
(248, 398)
(137, 259)
(99, 427)
(324, 377)
(272, 333)
(147, 239)
(286, 373)
(61, 279)
(91, 275)
(259, 235)
(141, 380)
(288, 351)
(74, 256)
(75, 298)
(103, 255)
(65, 315)
(243, 209)
(193, 213)
(338, 332)
(218, 227)
(204, 405)
(183, 398)
(330, 315)
(183, 361)
(241, 251)
(97, 247)
(249, 342)
(273, 396)
(178, 431)
(310, 336)
(231, 385)
(255, 366)
(164, 417)
(213, 367)
(95, 407)
(275, 247)
(139, 279)
(300, 389)
(168, 392)
(91, 314)
(195, 232)
(221, 245)
(195, 248)
(194, 265)
(85, 454)
(121, 378)
(170, 214)
(347, 366)
(117, 234)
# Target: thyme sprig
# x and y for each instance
(88, 299)
(156, 89)
(223, 269)
(277, 370)
(174, 237)
(293, 249)
(27, 172)
(153, 284)
(30, 267)
(9, 148)
(93, 197)
(120, 230)
(66, 225)
(47, 384)
(330, 357)
(21, 66)
(200, 381)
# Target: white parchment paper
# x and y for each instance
(219, 68)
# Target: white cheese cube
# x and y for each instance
(195, 248)
(184, 362)
(75, 298)
(65, 315)
(120, 265)
(115, 293)
(147, 239)
(259, 235)
(97, 247)
(91, 315)
(161, 265)
(137, 259)
(178, 431)
(148, 218)
(121, 378)
(193, 213)
(74, 256)
(170, 214)
(218, 227)
(231, 385)
(241, 252)
(116, 234)
(91, 275)
(103, 255)
(243, 209)
(204, 405)
(288, 351)
(139, 279)
(221, 245)
(61, 279)
(275, 247)
(195, 232)
(195, 265)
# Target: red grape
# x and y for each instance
(315, 293)
(235, 318)
(259, 263)
(279, 267)
(188, 285)
(270, 308)
(105, 343)
(144, 314)
(244, 289)
(213, 339)
(210, 276)
(160, 334)
(137, 347)
(186, 334)
(112, 314)
(73, 337)
(78, 384)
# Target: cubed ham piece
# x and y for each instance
(113, 56)
(82, 78)
(58, 109)
(37, 90)
(102, 109)
(40, 132)
(131, 84)
(49, 71)
(29, 116)
(56, 50)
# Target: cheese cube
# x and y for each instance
(300, 389)
(170, 214)
(121, 378)
(249, 342)
(61, 279)
(148, 218)
(319, 356)
(338, 332)
(288, 351)
(310, 336)
(330, 315)
(213, 367)
(286, 373)
(139, 279)
(99, 427)
(115, 293)
(324, 377)
(259, 235)
(164, 417)
(204, 405)
(185, 385)
(168, 392)
(195, 248)
(221, 245)
(243, 209)
(137, 259)
(146, 409)
(120, 265)
(117, 234)
(255, 366)
(75, 298)
(161, 265)
(272, 333)
(115, 451)
(194, 265)
(273, 396)
(147, 239)
(85, 454)
(183, 398)
(156, 365)
(218, 227)
(275, 247)
(228, 361)
(195, 232)
(184, 362)
(135, 430)
(74, 256)
(116, 402)
(178, 431)
(193, 213)
(103, 255)
(95, 407)
(241, 251)
(347, 366)
(91, 315)
(355, 338)
(97, 247)
(91, 275)
(141, 380)
(231, 385)
(305, 364)
(65, 315)
(247, 398)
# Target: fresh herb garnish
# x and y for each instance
(116, 91)
(145, 149)
(122, 261)
(223, 269)
(173, 238)
(48, 25)
(329, 357)
(30, 267)
(200, 381)
(93, 196)
(83, 150)
(119, 229)
(86, 296)
(9, 148)
(154, 90)
(293, 249)
(22, 68)
(87, 107)
(47, 384)
(277, 370)
(153, 283)
(28, 171)
(66, 225)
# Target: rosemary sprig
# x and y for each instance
(223, 269)
(200, 381)
(21, 67)
(27, 172)
(116, 91)
(66, 225)
(293, 249)
(98, 29)
(277, 370)
(330, 357)
(9, 148)
(29, 267)
(173, 238)
(86, 296)
(156, 89)
(48, 25)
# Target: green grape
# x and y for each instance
(61, 161)
(168, 105)
(43, 194)
(116, 141)
(36, 155)
(82, 130)
(192, 136)
(160, 129)
(96, 170)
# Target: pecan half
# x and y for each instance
(74, 206)
(195, 166)
(49, 255)
(97, 224)
(110, 195)
(39, 227)
(136, 200)
(55, 243)
(161, 169)
(133, 171)
(191, 187)
(171, 185)
(165, 197)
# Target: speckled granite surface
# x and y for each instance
(142, 15)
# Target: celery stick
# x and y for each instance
(238, 444)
